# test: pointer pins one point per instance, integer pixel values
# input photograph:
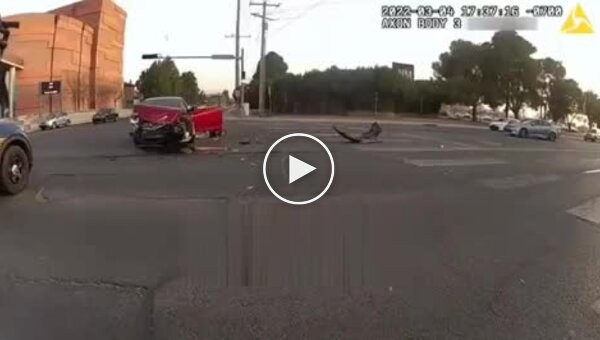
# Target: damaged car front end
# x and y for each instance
(154, 125)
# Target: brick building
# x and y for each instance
(80, 45)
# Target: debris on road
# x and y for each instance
(372, 135)
(245, 141)
(40, 197)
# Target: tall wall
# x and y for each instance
(108, 20)
(68, 61)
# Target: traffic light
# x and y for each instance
(150, 56)
(4, 33)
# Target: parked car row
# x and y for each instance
(537, 128)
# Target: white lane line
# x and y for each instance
(520, 181)
(588, 211)
(454, 162)
(384, 148)
(589, 172)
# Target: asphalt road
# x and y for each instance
(436, 232)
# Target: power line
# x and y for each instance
(304, 12)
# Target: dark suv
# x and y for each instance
(16, 159)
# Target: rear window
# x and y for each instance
(167, 102)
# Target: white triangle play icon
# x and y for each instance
(298, 169)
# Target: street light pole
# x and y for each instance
(237, 46)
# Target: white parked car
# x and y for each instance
(500, 124)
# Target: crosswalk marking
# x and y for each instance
(588, 211)
(454, 162)
(519, 181)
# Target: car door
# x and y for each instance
(544, 128)
(535, 127)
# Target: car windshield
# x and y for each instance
(300, 169)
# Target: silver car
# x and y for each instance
(536, 128)
(55, 121)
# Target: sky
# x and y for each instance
(316, 34)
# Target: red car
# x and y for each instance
(171, 122)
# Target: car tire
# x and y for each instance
(552, 136)
(494, 128)
(137, 139)
(13, 181)
(523, 133)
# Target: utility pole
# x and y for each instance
(237, 47)
(263, 46)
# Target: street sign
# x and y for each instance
(50, 87)
(406, 70)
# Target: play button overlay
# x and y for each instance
(298, 169)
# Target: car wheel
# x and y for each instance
(494, 128)
(14, 170)
(137, 138)
(523, 133)
(552, 136)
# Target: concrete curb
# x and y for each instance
(340, 119)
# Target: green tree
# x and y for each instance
(160, 79)
(511, 73)
(188, 88)
(276, 68)
(591, 107)
(565, 95)
(461, 70)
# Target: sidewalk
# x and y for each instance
(30, 122)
